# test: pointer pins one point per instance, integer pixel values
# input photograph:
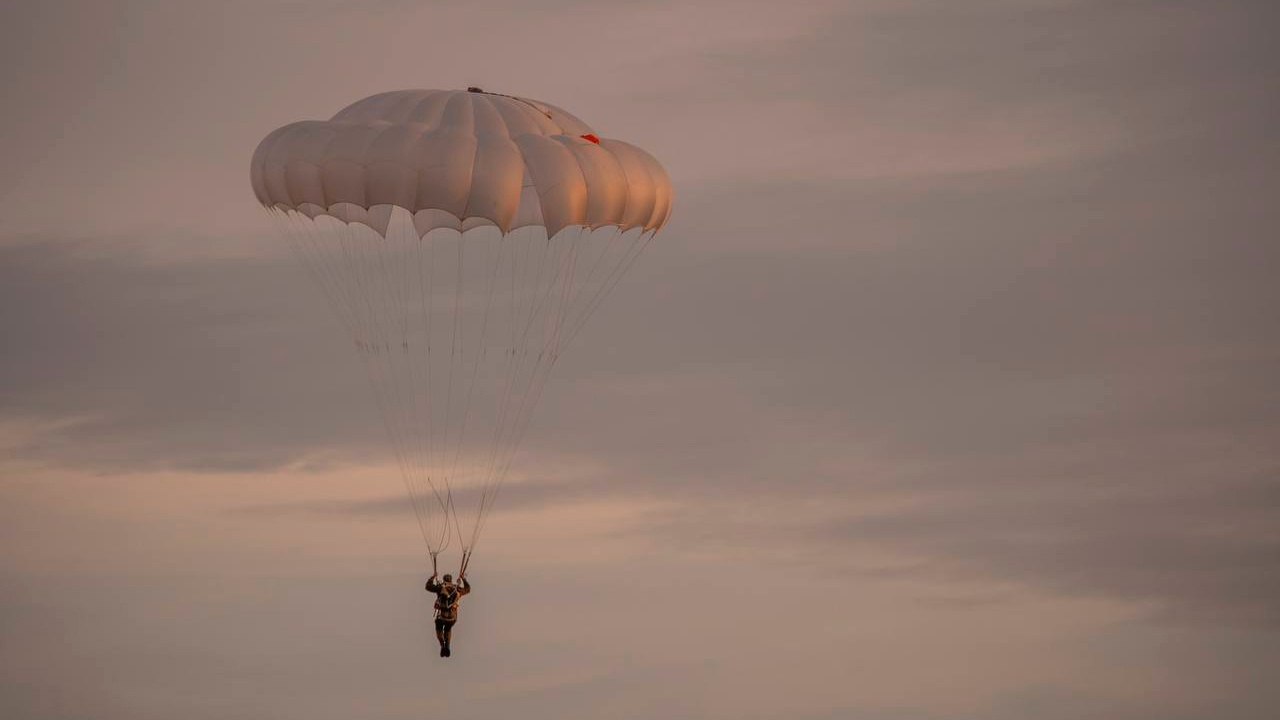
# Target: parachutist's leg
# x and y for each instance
(440, 633)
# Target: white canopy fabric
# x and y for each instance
(460, 159)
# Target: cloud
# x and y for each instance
(215, 365)
(1023, 335)
(516, 496)
(964, 322)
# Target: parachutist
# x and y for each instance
(447, 220)
(448, 596)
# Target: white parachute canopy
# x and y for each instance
(463, 238)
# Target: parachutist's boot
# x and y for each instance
(444, 651)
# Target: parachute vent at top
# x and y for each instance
(463, 238)
(460, 159)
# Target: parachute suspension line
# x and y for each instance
(394, 247)
(587, 287)
(539, 302)
(375, 343)
(392, 385)
(382, 303)
(410, 245)
(308, 241)
(562, 281)
(312, 251)
(391, 249)
(459, 279)
(542, 312)
(629, 255)
(552, 259)
(508, 246)
(381, 377)
(515, 352)
(288, 227)
(462, 567)
(388, 308)
(566, 286)
(516, 358)
(553, 286)
(425, 299)
(423, 419)
(487, 486)
(639, 245)
(311, 242)
(432, 467)
(551, 321)
(475, 368)
(586, 282)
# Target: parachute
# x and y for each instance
(463, 238)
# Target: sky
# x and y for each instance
(948, 392)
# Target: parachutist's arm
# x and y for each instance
(431, 584)
(466, 586)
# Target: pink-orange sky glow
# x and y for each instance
(949, 392)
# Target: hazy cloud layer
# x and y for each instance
(966, 319)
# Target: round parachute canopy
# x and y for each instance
(460, 159)
(463, 238)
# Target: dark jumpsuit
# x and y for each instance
(446, 604)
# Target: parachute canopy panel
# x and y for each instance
(460, 159)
